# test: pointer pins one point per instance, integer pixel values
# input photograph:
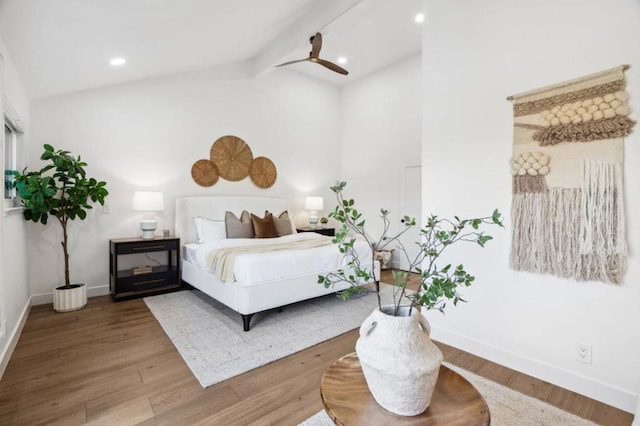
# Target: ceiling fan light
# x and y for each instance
(419, 18)
(342, 60)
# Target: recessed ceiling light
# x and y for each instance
(116, 62)
(419, 18)
(342, 60)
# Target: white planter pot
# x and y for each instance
(69, 299)
(399, 361)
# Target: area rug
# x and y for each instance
(507, 407)
(210, 338)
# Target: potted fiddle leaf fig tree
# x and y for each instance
(394, 345)
(62, 190)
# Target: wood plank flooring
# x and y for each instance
(112, 364)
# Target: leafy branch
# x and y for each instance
(437, 284)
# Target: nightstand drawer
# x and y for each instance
(147, 246)
(145, 282)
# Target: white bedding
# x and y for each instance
(256, 268)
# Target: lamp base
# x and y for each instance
(148, 228)
(313, 219)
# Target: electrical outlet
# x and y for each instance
(583, 353)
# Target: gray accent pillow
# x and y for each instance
(283, 223)
(238, 228)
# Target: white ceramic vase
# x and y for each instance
(399, 361)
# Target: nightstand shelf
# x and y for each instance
(124, 283)
(331, 232)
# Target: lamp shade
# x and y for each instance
(314, 203)
(148, 201)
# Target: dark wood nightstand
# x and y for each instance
(331, 232)
(124, 283)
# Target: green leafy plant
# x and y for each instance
(438, 284)
(60, 189)
(9, 176)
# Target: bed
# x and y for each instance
(250, 290)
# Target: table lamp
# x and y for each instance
(313, 204)
(148, 202)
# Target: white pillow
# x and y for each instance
(208, 230)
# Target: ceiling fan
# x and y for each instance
(316, 45)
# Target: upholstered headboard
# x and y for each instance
(214, 208)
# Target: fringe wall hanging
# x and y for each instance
(567, 211)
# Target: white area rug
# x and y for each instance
(210, 338)
(507, 407)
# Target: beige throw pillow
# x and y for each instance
(239, 228)
(283, 223)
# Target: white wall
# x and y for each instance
(475, 54)
(381, 135)
(14, 288)
(148, 134)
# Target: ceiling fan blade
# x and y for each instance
(332, 66)
(293, 62)
(316, 45)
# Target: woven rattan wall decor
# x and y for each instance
(568, 210)
(205, 173)
(230, 158)
(263, 172)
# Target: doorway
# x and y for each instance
(410, 205)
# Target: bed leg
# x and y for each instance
(246, 319)
(378, 286)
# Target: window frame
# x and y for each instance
(14, 147)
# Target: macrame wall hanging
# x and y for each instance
(567, 211)
(231, 158)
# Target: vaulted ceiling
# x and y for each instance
(64, 46)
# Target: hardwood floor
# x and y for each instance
(112, 364)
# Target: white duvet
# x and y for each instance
(273, 266)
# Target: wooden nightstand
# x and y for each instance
(331, 232)
(124, 283)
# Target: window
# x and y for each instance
(10, 166)
(12, 152)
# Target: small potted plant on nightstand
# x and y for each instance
(323, 222)
(60, 189)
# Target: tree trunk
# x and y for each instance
(65, 249)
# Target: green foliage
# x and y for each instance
(438, 284)
(9, 176)
(60, 189)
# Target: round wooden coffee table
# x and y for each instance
(348, 401)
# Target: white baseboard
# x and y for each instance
(612, 395)
(13, 338)
(45, 298)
